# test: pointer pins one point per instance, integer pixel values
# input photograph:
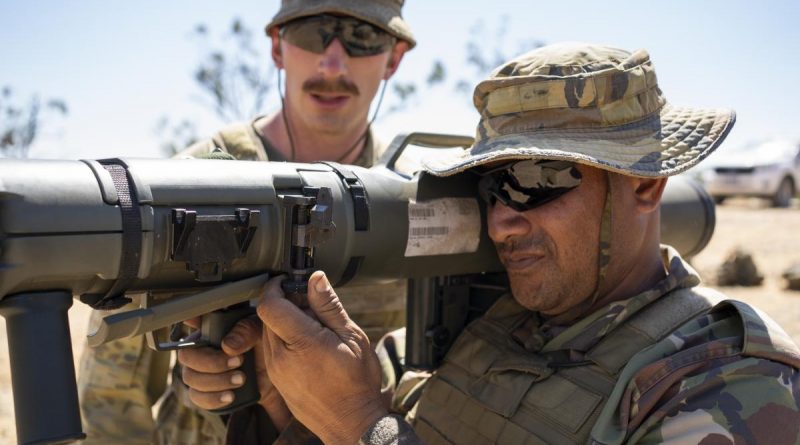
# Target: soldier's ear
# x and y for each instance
(647, 193)
(277, 55)
(395, 56)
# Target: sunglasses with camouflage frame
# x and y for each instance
(315, 33)
(527, 184)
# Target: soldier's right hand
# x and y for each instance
(212, 374)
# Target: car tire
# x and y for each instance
(783, 196)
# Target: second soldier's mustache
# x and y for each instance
(339, 85)
(526, 244)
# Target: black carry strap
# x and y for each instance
(357, 192)
(131, 239)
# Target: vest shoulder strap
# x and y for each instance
(651, 324)
(762, 336)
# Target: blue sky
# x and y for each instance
(122, 65)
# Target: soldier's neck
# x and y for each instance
(310, 146)
(645, 268)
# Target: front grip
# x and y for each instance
(215, 326)
(42, 370)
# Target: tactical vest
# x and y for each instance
(491, 390)
(241, 141)
(238, 139)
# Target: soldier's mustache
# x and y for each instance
(339, 85)
(526, 244)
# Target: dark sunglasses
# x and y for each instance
(315, 33)
(525, 185)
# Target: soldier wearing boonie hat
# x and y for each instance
(585, 104)
(573, 148)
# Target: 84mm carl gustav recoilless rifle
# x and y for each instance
(200, 237)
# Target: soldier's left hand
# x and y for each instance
(324, 368)
(210, 373)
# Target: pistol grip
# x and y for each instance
(248, 393)
(214, 328)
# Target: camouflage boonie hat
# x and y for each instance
(589, 104)
(384, 14)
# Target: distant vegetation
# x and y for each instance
(22, 122)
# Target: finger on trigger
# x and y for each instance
(193, 322)
(243, 336)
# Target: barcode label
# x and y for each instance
(429, 231)
(443, 226)
(424, 212)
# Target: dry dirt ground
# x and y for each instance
(772, 236)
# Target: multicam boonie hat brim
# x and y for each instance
(589, 104)
(385, 14)
(664, 145)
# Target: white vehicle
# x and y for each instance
(768, 169)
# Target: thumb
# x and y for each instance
(325, 304)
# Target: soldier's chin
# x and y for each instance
(528, 295)
(331, 123)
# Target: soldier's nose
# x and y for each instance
(334, 60)
(505, 222)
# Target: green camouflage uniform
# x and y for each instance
(725, 375)
(120, 381)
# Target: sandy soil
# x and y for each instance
(772, 236)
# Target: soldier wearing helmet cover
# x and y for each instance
(606, 336)
(335, 55)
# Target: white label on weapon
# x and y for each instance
(443, 226)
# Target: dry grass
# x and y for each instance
(772, 236)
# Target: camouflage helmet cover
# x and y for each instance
(385, 14)
(591, 104)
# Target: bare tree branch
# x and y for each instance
(21, 125)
